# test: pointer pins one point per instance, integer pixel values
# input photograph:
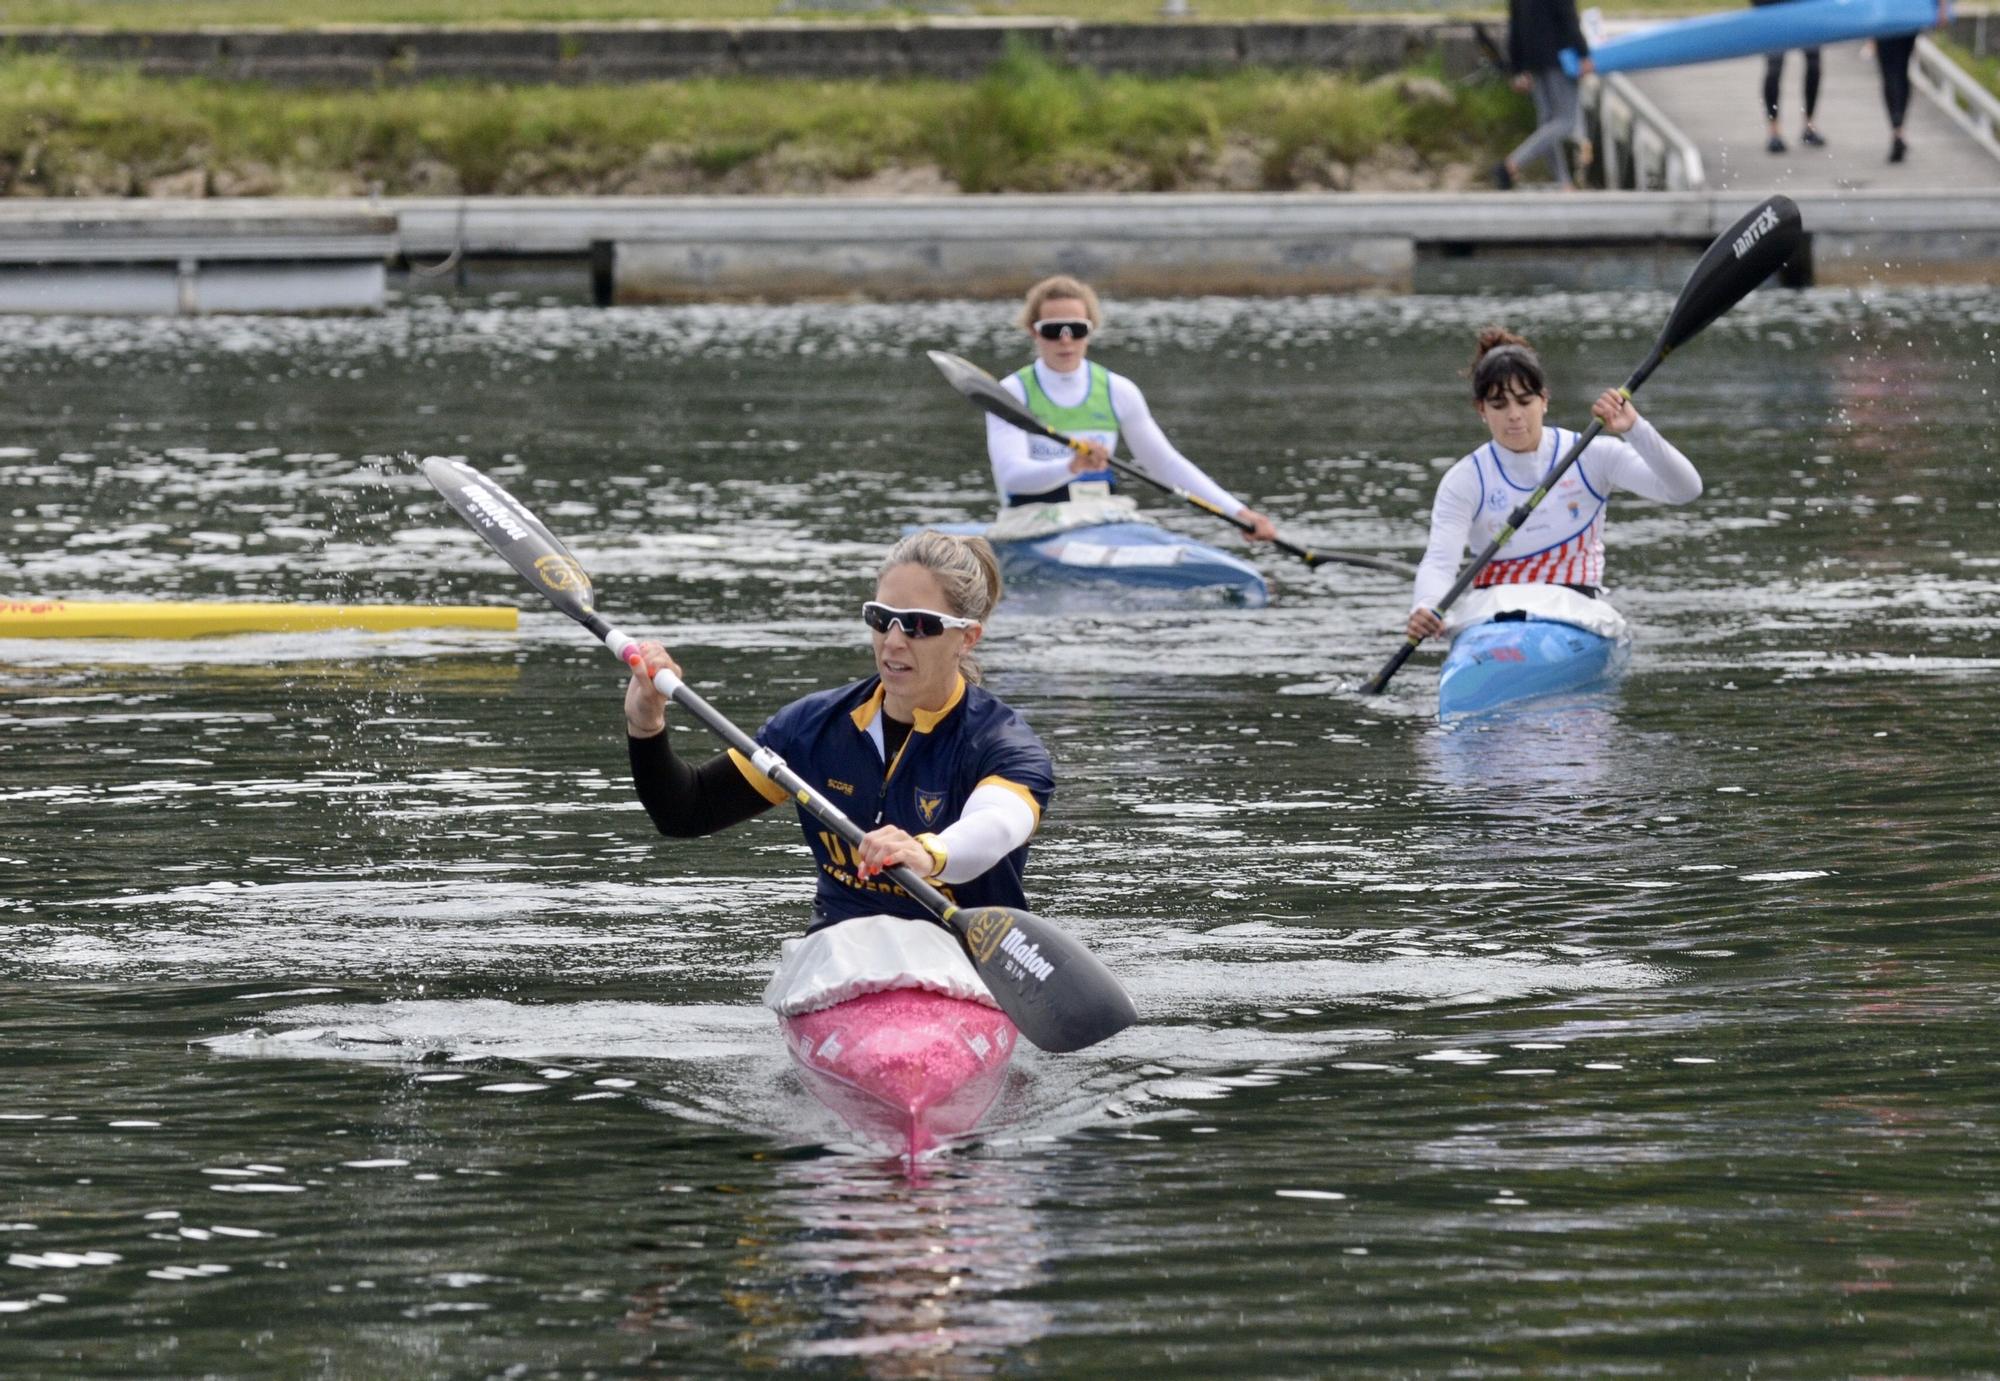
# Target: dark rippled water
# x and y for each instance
(355, 1025)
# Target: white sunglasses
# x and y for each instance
(915, 623)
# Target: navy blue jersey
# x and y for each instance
(974, 741)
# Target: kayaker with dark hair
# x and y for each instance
(1559, 548)
(1094, 405)
(948, 779)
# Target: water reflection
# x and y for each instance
(1455, 1040)
(1554, 756)
(911, 1277)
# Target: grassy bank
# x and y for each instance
(154, 14)
(1025, 126)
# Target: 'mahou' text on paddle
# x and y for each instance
(1027, 954)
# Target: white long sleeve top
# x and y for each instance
(1562, 541)
(1017, 471)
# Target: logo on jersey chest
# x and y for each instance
(930, 805)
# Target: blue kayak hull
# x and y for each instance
(1746, 33)
(1510, 660)
(1132, 558)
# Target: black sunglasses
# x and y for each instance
(1057, 327)
(915, 623)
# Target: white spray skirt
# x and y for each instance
(1554, 603)
(1090, 504)
(871, 954)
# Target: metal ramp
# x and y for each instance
(1718, 108)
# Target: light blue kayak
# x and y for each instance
(1507, 660)
(1131, 558)
(1748, 32)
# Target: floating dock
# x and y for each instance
(189, 258)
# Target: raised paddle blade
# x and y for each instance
(961, 373)
(510, 529)
(1743, 256)
(1059, 993)
(984, 390)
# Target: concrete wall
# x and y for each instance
(135, 258)
(649, 52)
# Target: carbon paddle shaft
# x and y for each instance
(1305, 554)
(626, 650)
(1057, 992)
(1740, 258)
(984, 391)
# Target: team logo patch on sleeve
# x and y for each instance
(929, 804)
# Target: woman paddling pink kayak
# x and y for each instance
(894, 1028)
(883, 1011)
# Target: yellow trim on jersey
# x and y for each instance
(927, 720)
(1018, 790)
(864, 714)
(763, 785)
(923, 720)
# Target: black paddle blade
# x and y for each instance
(1059, 993)
(1742, 257)
(510, 529)
(984, 390)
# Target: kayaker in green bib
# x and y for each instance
(1092, 404)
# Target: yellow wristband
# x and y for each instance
(936, 849)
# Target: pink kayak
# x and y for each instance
(907, 1066)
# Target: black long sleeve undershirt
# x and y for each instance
(687, 802)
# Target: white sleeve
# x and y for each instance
(994, 823)
(1644, 463)
(1014, 471)
(1451, 524)
(1155, 454)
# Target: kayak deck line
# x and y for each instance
(57, 618)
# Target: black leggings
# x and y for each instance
(1893, 56)
(1774, 64)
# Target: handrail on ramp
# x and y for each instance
(1969, 104)
(1639, 148)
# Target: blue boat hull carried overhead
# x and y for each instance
(1749, 32)
(1062, 551)
(1521, 644)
